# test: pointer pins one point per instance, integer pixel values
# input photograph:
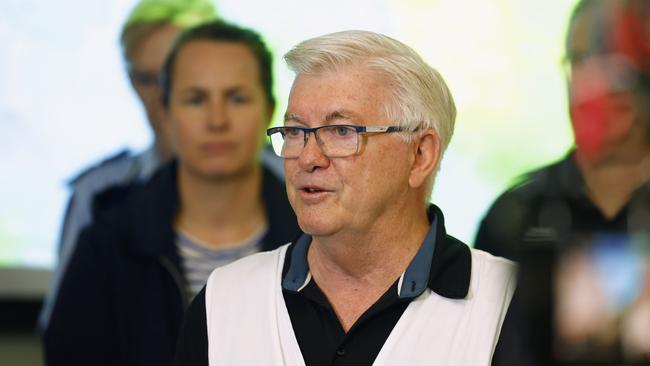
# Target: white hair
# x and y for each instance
(420, 97)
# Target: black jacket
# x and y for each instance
(534, 223)
(122, 299)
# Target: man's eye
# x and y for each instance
(144, 78)
(292, 132)
(342, 131)
(194, 100)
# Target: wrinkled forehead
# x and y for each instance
(352, 93)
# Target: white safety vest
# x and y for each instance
(248, 322)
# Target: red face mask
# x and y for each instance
(601, 107)
(590, 125)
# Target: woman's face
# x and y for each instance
(218, 109)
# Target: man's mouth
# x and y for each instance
(310, 194)
(312, 189)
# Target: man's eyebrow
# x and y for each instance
(339, 114)
(329, 118)
(293, 117)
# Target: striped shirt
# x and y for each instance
(198, 260)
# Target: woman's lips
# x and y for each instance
(218, 147)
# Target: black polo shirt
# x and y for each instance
(534, 223)
(442, 264)
(551, 208)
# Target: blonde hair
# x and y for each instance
(150, 15)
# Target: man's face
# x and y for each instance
(218, 108)
(604, 104)
(354, 193)
(145, 66)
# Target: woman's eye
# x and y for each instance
(238, 99)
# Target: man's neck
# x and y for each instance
(611, 182)
(355, 269)
(219, 212)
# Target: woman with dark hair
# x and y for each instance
(137, 268)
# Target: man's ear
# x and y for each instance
(426, 159)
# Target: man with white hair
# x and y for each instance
(374, 278)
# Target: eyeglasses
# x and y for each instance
(145, 79)
(617, 74)
(335, 141)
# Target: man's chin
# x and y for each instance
(315, 226)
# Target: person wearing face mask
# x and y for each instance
(580, 228)
(140, 264)
(603, 182)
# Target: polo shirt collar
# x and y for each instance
(565, 180)
(442, 264)
(298, 276)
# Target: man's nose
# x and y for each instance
(312, 156)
